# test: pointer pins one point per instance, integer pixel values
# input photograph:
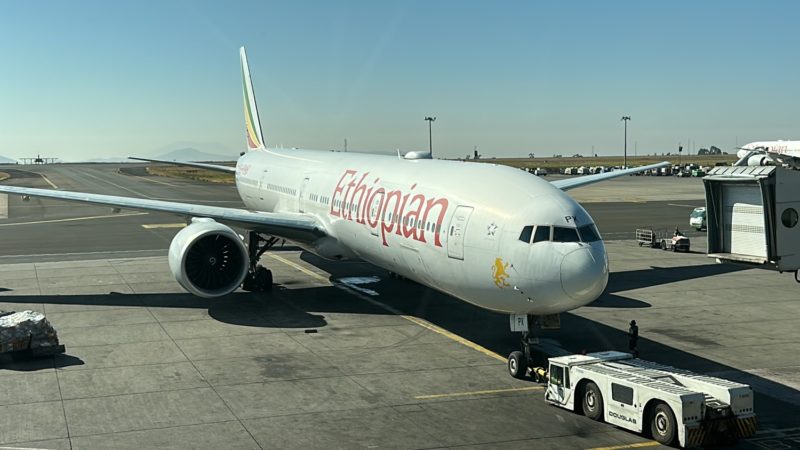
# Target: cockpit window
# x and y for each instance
(588, 233)
(564, 234)
(542, 234)
(525, 236)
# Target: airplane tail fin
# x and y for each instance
(255, 140)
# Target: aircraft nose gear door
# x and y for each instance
(455, 234)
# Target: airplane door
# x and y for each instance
(373, 213)
(303, 194)
(456, 232)
(262, 184)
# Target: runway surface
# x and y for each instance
(339, 355)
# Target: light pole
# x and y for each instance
(626, 119)
(430, 134)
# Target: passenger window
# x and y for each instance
(622, 394)
(564, 234)
(526, 234)
(588, 233)
(542, 234)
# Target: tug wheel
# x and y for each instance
(662, 424)
(592, 402)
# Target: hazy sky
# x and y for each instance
(81, 79)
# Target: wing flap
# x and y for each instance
(572, 183)
(296, 227)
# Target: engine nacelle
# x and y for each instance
(208, 258)
(757, 160)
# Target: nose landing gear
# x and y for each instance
(521, 360)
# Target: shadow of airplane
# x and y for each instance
(655, 276)
(306, 308)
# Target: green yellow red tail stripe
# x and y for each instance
(255, 139)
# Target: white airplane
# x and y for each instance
(769, 152)
(494, 236)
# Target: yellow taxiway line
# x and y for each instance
(44, 177)
(491, 391)
(421, 322)
(636, 445)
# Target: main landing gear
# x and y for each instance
(259, 278)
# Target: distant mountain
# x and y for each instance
(4, 160)
(193, 154)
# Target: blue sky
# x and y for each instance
(90, 79)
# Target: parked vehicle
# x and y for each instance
(673, 406)
(697, 219)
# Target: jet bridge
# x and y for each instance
(752, 216)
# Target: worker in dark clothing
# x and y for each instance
(633, 339)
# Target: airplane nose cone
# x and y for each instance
(584, 273)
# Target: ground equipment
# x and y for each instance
(647, 237)
(674, 406)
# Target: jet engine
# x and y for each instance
(208, 258)
(757, 160)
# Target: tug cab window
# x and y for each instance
(526, 234)
(564, 234)
(557, 376)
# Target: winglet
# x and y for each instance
(255, 140)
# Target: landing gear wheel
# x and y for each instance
(592, 402)
(517, 365)
(662, 425)
(259, 278)
(263, 279)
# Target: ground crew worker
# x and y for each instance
(633, 339)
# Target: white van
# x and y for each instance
(697, 218)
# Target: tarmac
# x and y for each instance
(340, 355)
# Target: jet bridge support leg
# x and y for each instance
(259, 278)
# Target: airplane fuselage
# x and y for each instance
(454, 226)
(788, 148)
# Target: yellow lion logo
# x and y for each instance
(499, 273)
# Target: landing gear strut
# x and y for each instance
(259, 278)
(521, 360)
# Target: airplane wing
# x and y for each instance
(292, 226)
(572, 183)
(214, 167)
(783, 158)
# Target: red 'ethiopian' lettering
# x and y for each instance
(389, 211)
(336, 210)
